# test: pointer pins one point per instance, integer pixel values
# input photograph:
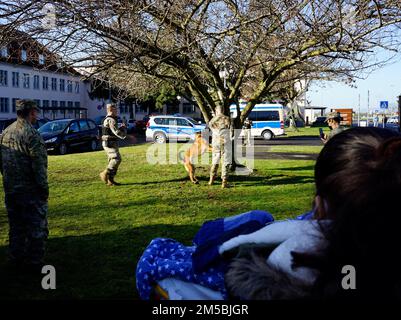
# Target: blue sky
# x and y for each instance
(384, 84)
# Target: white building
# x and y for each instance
(29, 71)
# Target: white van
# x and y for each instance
(267, 119)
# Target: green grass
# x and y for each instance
(290, 149)
(97, 233)
(305, 131)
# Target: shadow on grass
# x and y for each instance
(271, 180)
(311, 167)
(100, 266)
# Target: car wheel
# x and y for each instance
(267, 135)
(160, 137)
(62, 149)
(93, 145)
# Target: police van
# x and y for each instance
(267, 119)
(160, 129)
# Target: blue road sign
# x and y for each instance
(383, 104)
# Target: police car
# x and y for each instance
(160, 129)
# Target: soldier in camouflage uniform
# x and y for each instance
(23, 164)
(110, 136)
(221, 146)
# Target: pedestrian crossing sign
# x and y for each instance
(383, 104)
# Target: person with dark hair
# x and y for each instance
(23, 163)
(352, 226)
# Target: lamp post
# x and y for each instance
(399, 112)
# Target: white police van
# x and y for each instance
(267, 119)
(160, 129)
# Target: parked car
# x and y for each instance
(319, 122)
(65, 134)
(392, 120)
(162, 128)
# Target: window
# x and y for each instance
(188, 108)
(13, 103)
(23, 55)
(45, 103)
(54, 104)
(54, 84)
(41, 59)
(15, 79)
(70, 105)
(26, 80)
(3, 78)
(69, 86)
(161, 121)
(92, 125)
(183, 123)
(62, 104)
(38, 103)
(4, 105)
(268, 116)
(45, 83)
(84, 125)
(62, 85)
(73, 127)
(4, 52)
(77, 104)
(76, 87)
(36, 82)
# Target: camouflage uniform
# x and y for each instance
(110, 136)
(221, 146)
(247, 131)
(23, 163)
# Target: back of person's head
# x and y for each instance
(358, 178)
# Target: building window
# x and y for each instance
(4, 105)
(54, 104)
(62, 104)
(14, 103)
(3, 78)
(15, 79)
(188, 108)
(45, 104)
(77, 104)
(45, 83)
(4, 52)
(69, 86)
(36, 82)
(62, 85)
(54, 84)
(38, 103)
(25, 83)
(70, 106)
(76, 87)
(41, 59)
(23, 55)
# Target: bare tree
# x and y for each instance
(213, 51)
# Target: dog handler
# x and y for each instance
(110, 136)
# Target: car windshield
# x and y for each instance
(54, 126)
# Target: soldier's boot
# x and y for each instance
(213, 174)
(224, 184)
(112, 182)
(104, 176)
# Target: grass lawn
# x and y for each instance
(305, 131)
(97, 233)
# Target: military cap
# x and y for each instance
(334, 115)
(25, 104)
(111, 105)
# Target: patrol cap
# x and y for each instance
(334, 115)
(25, 104)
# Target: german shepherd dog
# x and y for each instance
(199, 147)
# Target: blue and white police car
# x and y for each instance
(161, 129)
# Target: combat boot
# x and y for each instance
(212, 178)
(224, 184)
(104, 176)
(111, 182)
